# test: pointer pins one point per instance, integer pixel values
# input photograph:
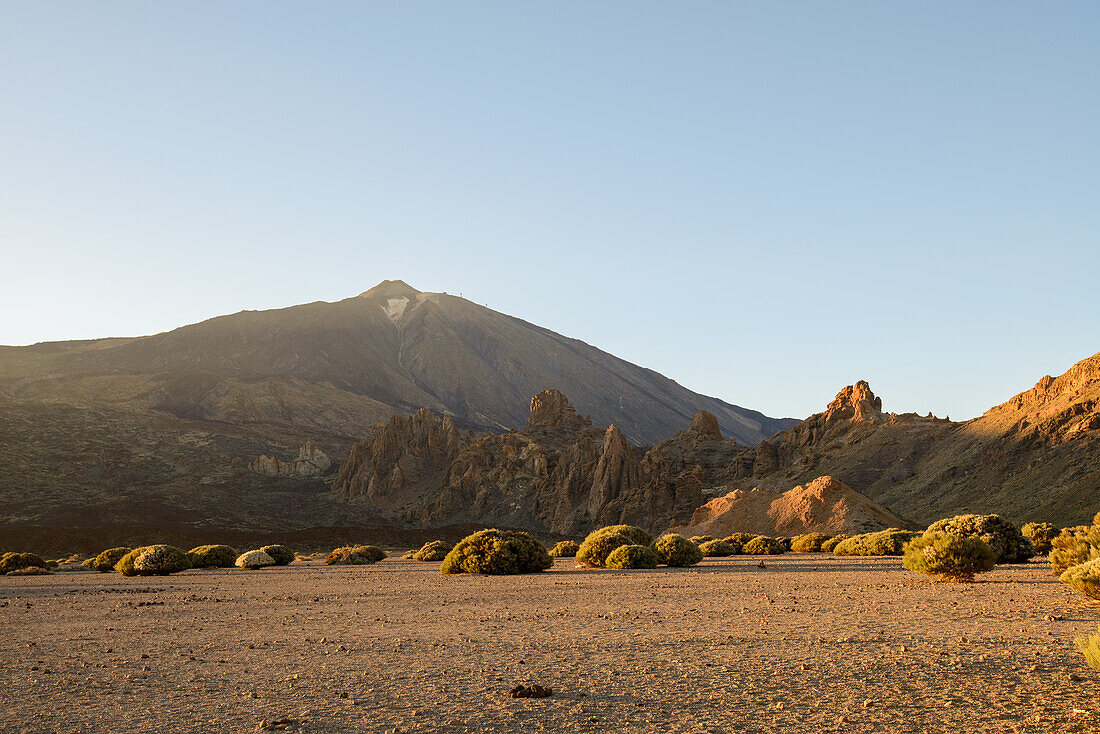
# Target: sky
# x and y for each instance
(764, 201)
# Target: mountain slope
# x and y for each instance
(1034, 457)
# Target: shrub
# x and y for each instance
(565, 549)
(1084, 577)
(953, 557)
(677, 551)
(784, 541)
(497, 552)
(435, 550)
(830, 545)
(632, 556)
(153, 560)
(762, 545)
(808, 543)
(355, 555)
(105, 561)
(594, 549)
(254, 559)
(282, 555)
(1090, 648)
(17, 561)
(738, 540)
(1003, 537)
(717, 549)
(212, 556)
(1071, 547)
(30, 571)
(1040, 534)
(700, 539)
(889, 542)
(89, 563)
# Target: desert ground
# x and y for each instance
(808, 643)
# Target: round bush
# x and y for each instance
(254, 559)
(717, 549)
(1040, 534)
(889, 542)
(153, 560)
(18, 561)
(30, 571)
(949, 556)
(89, 563)
(212, 556)
(762, 545)
(1069, 548)
(1090, 648)
(1085, 578)
(738, 540)
(830, 545)
(565, 549)
(497, 552)
(595, 549)
(1003, 537)
(632, 556)
(676, 550)
(105, 561)
(808, 543)
(355, 555)
(282, 555)
(435, 550)
(700, 539)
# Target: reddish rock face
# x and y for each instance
(558, 474)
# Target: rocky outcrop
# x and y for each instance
(825, 505)
(557, 474)
(311, 462)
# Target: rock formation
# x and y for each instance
(825, 505)
(311, 462)
(557, 474)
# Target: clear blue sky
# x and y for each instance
(764, 201)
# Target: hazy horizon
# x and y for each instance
(764, 203)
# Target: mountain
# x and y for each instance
(237, 421)
(1034, 457)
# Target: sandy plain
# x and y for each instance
(808, 643)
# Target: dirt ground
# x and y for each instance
(809, 643)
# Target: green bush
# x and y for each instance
(89, 563)
(738, 540)
(254, 559)
(497, 552)
(677, 551)
(717, 549)
(830, 545)
(889, 542)
(762, 545)
(1040, 534)
(565, 549)
(808, 543)
(355, 555)
(632, 556)
(1085, 578)
(700, 539)
(212, 556)
(18, 561)
(1003, 537)
(153, 560)
(435, 550)
(282, 555)
(105, 561)
(599, 543)
(1071, 547)
(952, 557)
(1090, 648)
(784, 541)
